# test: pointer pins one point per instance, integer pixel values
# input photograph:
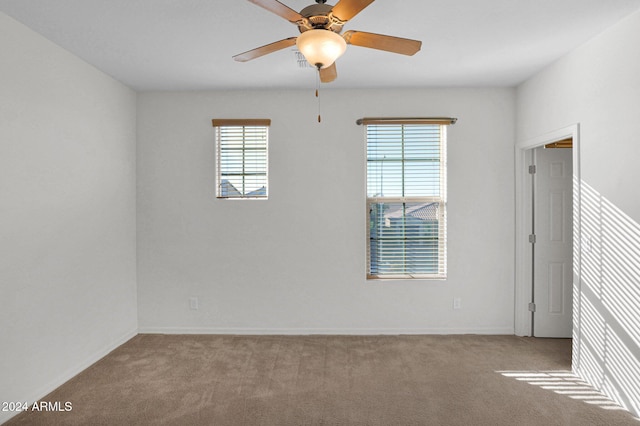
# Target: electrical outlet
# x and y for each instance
(457, 303)
(193, 303)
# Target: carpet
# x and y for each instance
(329, 380)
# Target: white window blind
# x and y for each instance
(406, 200)
(242, 158)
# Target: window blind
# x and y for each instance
(242, 160)
(406, 200)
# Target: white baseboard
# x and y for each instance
(325, 331)
(67, 375)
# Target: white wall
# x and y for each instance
(67, 214)
(598, 87)
(296, 263)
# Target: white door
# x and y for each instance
(553, 247)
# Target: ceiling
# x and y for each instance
(188, 44)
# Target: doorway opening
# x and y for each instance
(547, 230)
(551, 239)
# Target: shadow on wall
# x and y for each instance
(607, 350)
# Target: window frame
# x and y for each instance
(218, 125)
(441, 200)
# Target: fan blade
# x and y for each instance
(279, 9)
(347, 9)
(403, 46)
(266, 49)
(327, 75)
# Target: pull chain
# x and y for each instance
(318, 92)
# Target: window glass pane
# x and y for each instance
(404, 238)
(405, 166)
(242, 161)
(384, 179)
(422, 178)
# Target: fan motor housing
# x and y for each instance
(319, 16)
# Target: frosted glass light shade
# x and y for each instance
(321, 47)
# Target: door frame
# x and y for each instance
(523, 249)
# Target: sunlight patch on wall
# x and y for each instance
(607, 353)
(621, 268)
(591, 210)
(623, 372)
(592, 344)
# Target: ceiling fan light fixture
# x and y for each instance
(321, 47)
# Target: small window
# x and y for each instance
(242, 158)
(406, 200)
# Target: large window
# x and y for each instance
(406, 200)
(241, 151)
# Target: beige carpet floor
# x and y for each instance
(331, 380)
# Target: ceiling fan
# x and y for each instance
(320, 40)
